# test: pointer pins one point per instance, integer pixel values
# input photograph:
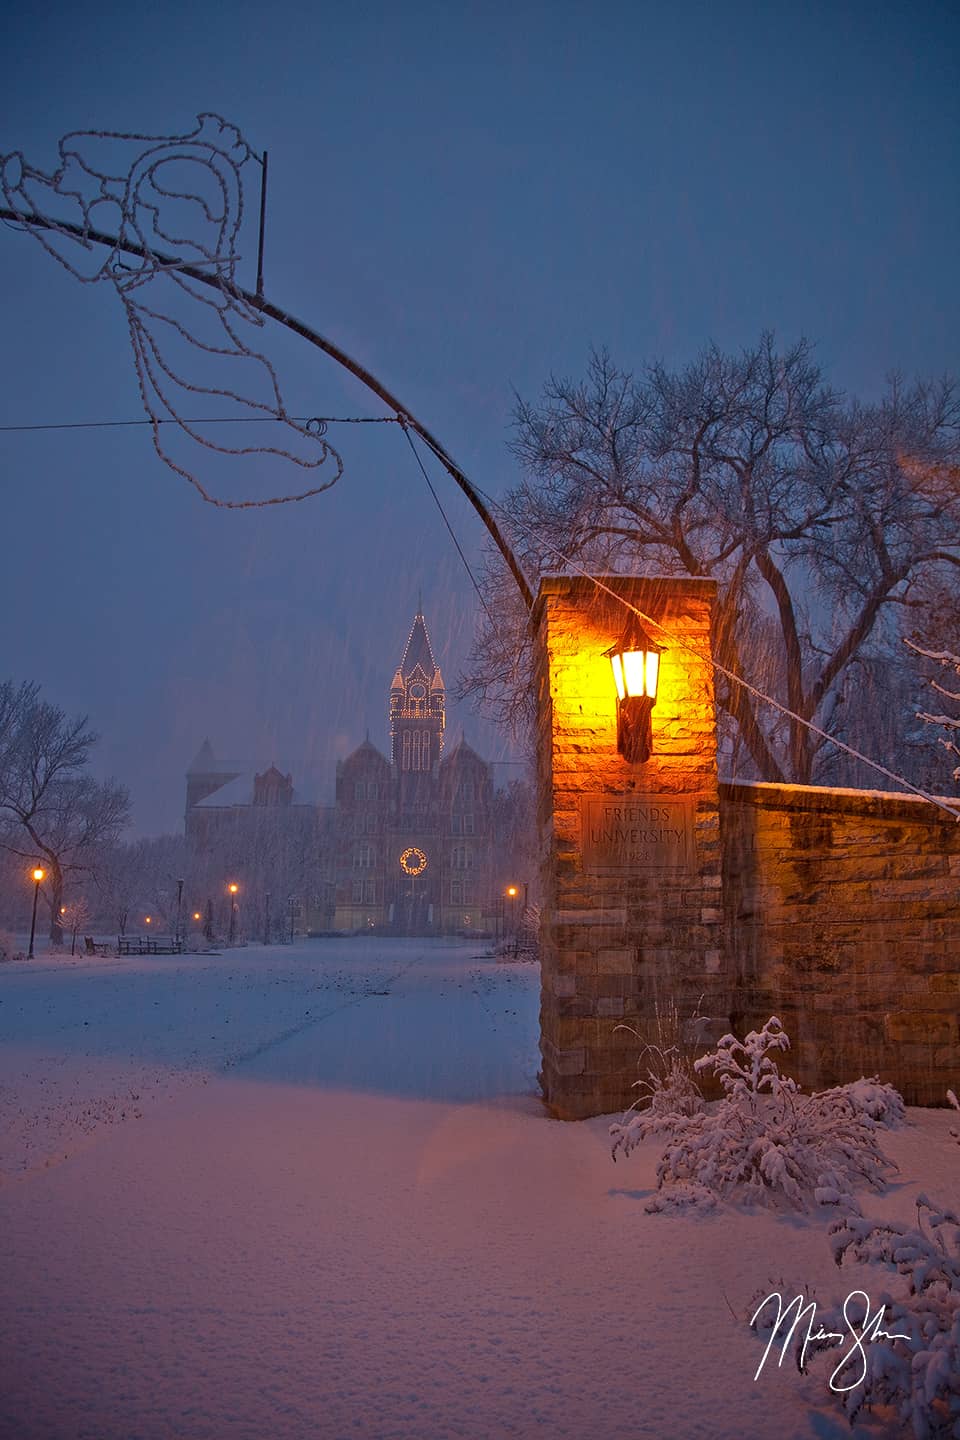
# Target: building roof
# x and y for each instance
(464, 753)
(366, 751)
(239, 791)
(204, 762)
(417, 650)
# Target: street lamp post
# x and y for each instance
(37, 877)
(512, 893)
(179, 905)
(232, 889)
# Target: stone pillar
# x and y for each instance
(630, 853)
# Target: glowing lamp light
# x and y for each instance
(196, 914)
(512, 891)
(38, 875)
(148, 919)
(635, 660)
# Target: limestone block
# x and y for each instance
(917, 1027)
(610, 1006)
(571, 1062)
(615, 962)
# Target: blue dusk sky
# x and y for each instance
(466, 198)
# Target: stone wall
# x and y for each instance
(623, 940)
(666, 893)
(842, 917)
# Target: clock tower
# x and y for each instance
(417, 710)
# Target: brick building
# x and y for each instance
(408, 847)
(414, 851)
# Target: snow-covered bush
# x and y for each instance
(917, 1373)
(956, 1105)
(7, 946)
(870, 1097)
(764, 1141)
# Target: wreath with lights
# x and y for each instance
(413, 861)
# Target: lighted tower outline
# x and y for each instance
(417, 706)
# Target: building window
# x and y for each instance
(461, 858)
(415, 751)
(465, 790)
(468, 823)
(363, 857)
(369, 891)
(356, 894)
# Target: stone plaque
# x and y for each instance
(636, 832)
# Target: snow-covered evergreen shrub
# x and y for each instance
(764, 1141)
(7, 946)
(919, 1376)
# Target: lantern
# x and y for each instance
(635, 660)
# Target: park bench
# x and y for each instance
(148, 945)
(96, 947)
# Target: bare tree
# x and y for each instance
(50, 810)
(815, 514)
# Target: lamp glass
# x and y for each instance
(635, 673)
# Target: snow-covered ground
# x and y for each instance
(310, 1192)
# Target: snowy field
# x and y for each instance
(309, 1192)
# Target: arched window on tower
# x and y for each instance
(425, 750)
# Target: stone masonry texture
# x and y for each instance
(835, 910)
(624, 952)
(842, 918)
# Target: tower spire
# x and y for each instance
(417, 703)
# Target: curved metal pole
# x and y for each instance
(290, 322)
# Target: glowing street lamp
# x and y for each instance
(232, 889)
(38, 875)
(635, 660)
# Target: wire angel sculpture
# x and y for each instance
(159, 219)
